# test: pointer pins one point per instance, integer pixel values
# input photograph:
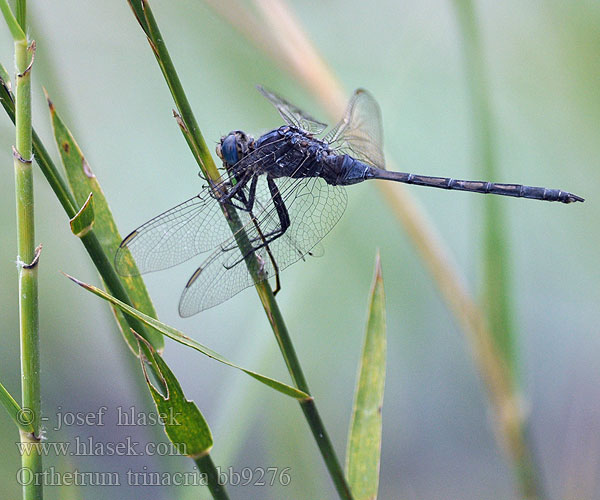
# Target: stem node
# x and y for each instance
(36, 258)
(18, 157)
(31, 48)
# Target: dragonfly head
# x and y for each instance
(234, 146)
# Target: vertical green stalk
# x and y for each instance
(189, 127)
(496, 262)
(28, 255)
(206, 466)
(496, 252)
(309, 408)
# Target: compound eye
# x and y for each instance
(229, 149)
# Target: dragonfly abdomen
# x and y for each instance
(514, 190)
(344, 170)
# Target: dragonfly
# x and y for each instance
(286, 191)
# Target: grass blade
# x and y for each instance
(364, 441)
(11, 21)
(178, 336)
(496, 264)
(496, 254)
(83, 182)
(22, 418)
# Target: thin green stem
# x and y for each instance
(308, 405)
(496, 268)
(200, 149)
(495, 258)
(28, 260)
(207, 467)
(42, 157)
(69, 204)
(196, 141)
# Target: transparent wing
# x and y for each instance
(359, 133)
(174, 236)
(314, 208)
(193, 227)
(293, 115)
(315, 251)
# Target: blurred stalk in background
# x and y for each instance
(496, 280)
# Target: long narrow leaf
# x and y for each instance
(83, 181)
(21, 417)
(178, 336)
(364, 441)
(11, 21)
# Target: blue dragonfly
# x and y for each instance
(288, 190)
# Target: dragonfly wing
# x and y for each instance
(314, 207)
(293, 115)
(359, 133)
(261, 202)
(221, 276)
(195, 226)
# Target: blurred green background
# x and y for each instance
(543, 62)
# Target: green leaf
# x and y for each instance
(4, 77)
(183, 422)
(364, 441)
(82, 223)
(83, 181)
(15, 30)
(178, 336)
(22, 418)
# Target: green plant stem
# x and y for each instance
(194, 137)
(28, 260)
(308, 405)
(207, 467)
(69, 204)
(43, 159)
(496, 268)
(197, 142)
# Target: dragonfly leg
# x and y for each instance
(282, 213)
(223, 192)
(265, 239)
(247, 202)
